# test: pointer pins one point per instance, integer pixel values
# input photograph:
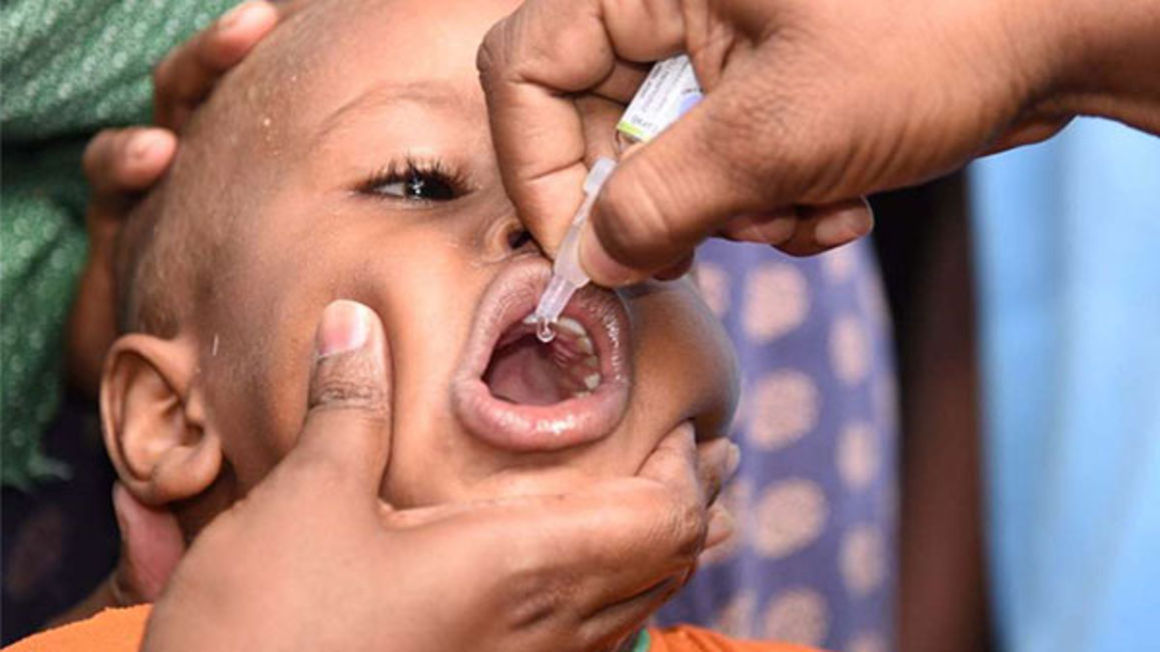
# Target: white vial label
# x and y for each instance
(670, 89)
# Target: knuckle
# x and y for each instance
(535, 597)
(338, 392)
(712, 485)
(766, 144)
(671, 460)
(752, 141)
(485, 56)
(490, 59)
(321, 473)
(636, 219)
(538, 589)
(97, 151)
(690, 525)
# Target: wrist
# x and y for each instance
(1108, 55)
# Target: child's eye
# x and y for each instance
(415, 181)
(417, 186)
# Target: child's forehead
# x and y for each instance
(364, 55)
(427, 94)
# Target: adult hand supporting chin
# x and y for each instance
(809, 104)
(313, 559)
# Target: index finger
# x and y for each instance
(604, 545)
(122, 162)
(530, 65)
(187, 74)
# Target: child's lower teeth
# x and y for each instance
(581, 377)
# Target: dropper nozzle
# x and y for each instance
(567, 275)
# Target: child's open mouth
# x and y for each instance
(518, 393)
(523, 369)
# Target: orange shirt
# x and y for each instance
(120, 630)
(112, 630)
(684, 638)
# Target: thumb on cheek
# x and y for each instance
(347, 427)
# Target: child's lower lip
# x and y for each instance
(534, 428)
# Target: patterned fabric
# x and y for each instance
(1069, 295)
(67, 68)
(814, 499)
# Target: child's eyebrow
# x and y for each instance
(430, 93)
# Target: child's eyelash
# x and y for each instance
(417, 176)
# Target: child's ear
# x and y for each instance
(153, 418)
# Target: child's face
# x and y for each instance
(376, 181)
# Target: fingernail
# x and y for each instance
(345, 326)
(596, 262)
(145, 145)
(721, 526)
(732, 460)
(832, 231)
(233, 17)
(846, 226)
(779, 230)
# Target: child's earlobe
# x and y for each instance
(153, 419)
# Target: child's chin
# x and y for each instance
(552, 481)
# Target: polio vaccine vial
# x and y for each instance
(669, 90)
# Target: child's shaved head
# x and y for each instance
(175, 244)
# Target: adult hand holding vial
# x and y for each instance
(808, 105)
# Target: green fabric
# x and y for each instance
(67, 69)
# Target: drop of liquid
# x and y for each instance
(545, 331)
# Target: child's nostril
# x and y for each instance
(519, 238)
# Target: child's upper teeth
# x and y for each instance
(572, 326)
(584, 343)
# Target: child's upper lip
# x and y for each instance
(510, 298)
